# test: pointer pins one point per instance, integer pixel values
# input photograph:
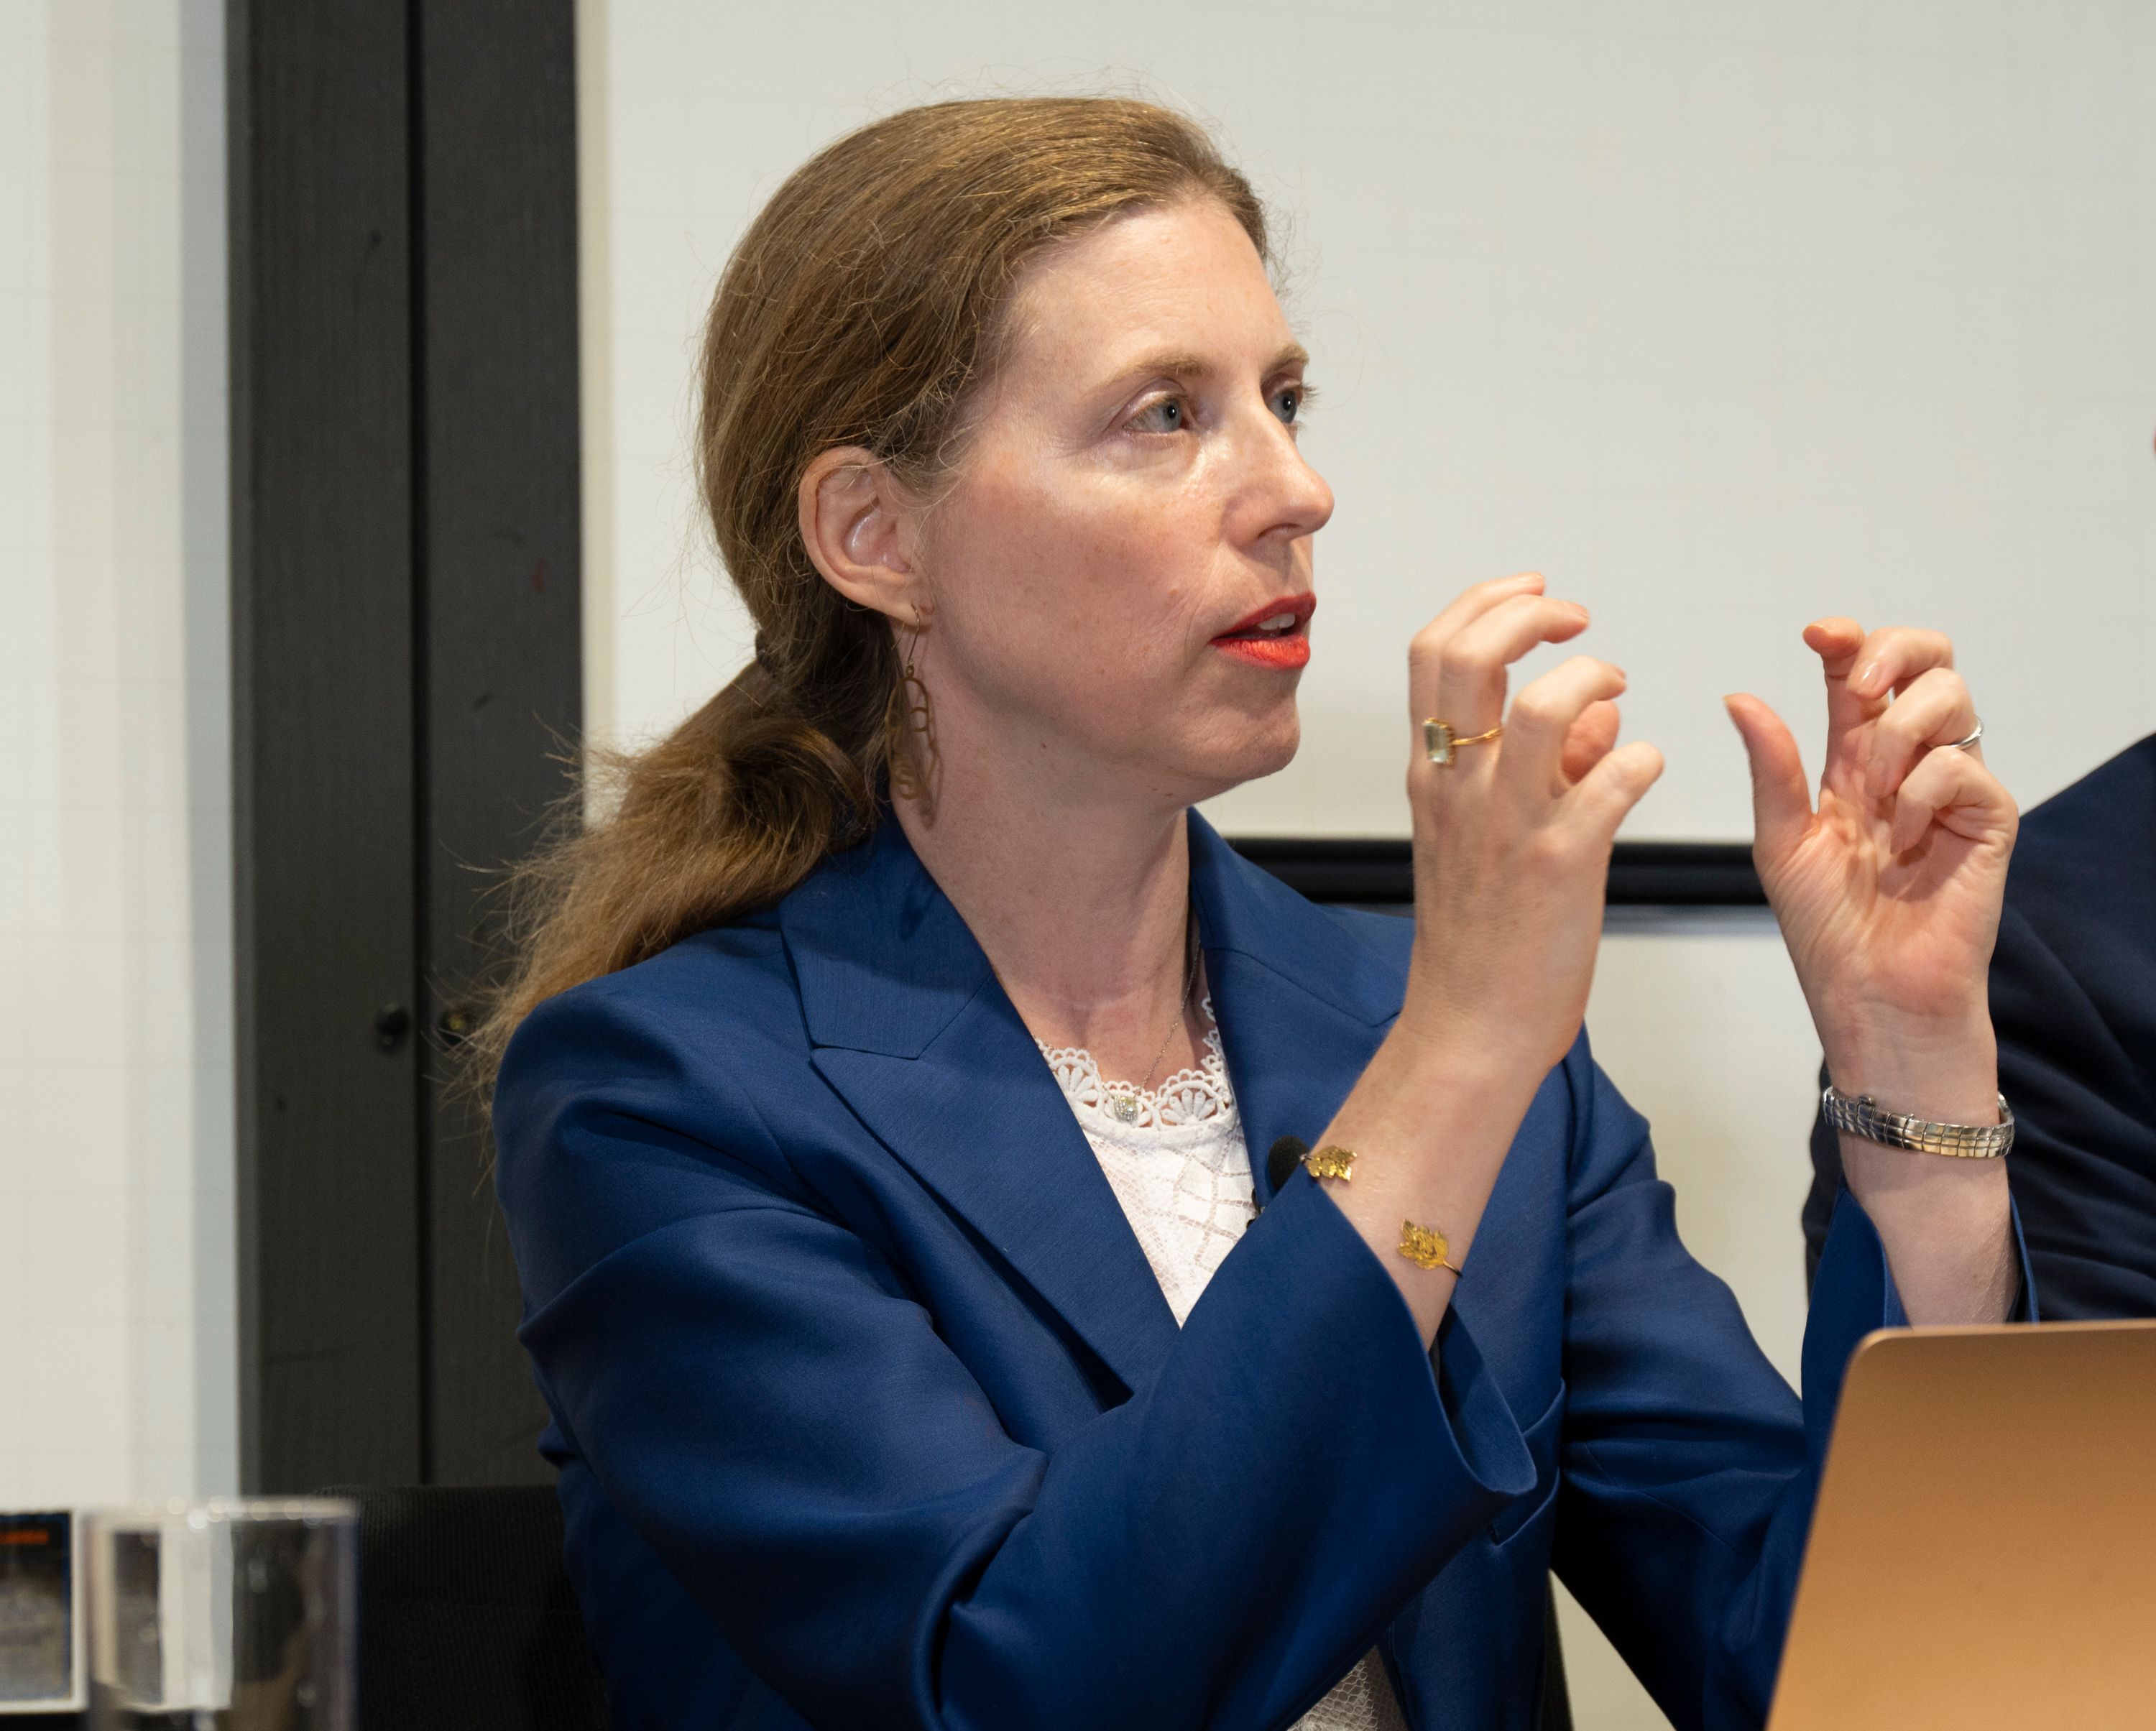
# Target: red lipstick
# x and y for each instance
(1275, 635)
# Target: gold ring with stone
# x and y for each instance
(1439, 741)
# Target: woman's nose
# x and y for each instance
(1286, 495)
(1312, 500)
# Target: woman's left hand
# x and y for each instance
(1888, 896)
(1889, 892)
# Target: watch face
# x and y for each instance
(37, 1609)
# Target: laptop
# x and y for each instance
(1984, 1551)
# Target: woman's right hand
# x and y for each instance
(1512, 857)
(1512, 840)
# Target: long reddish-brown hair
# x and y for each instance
(862, 305)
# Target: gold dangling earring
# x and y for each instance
(907, 715)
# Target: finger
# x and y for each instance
(1781, 799)
(1428, 644)
(1889, 659)
(1860, 670)
(1464, 609)
(1607, 793)
(1955, 792)
(1464, 681)
(1478, 598)
(1590, 739)
(1544, 713)
(1935, 709)
(1836, 642)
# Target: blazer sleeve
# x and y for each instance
(760, 1397)
(1689, 1468)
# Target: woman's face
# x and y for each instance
(1121, 573)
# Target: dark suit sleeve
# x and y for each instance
(1826, 1187)
(1690, 1467)
(2073, 997)
(762, 1399)
(2077, 1062)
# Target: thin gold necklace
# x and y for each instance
(1124, 1106)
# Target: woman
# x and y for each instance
(889, 1065)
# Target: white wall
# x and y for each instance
(117, 1355)
(1724, 315)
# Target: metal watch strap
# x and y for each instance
(1861, 1116)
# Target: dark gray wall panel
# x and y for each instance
(407, 679)
(501, 659)
(323, 728)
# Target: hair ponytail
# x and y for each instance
(862, 305)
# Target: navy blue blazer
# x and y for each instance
(870, 1411)
(2073, 1001)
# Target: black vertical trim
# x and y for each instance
(502, 667)
(415, 124)
(324, 813)
(407, 672)
(246, 1006)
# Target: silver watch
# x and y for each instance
(1862, 1117)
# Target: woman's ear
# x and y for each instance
(858, 524)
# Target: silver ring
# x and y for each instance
(1963, 745)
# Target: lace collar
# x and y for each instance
(1199, 1095)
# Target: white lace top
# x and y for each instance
(1175, 1157)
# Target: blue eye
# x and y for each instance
(1166, 415)
(1287, 403)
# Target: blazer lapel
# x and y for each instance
(1302, 1000)
(910, 1026)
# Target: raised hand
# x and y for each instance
(1888, 894)
(1512, 839)
(1511, 853)
(1889, 891)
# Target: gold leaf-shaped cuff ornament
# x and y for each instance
(1424, 1248)
(1331, 1161)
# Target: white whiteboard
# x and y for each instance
(1724, 316)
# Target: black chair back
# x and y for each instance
(467, 1621)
